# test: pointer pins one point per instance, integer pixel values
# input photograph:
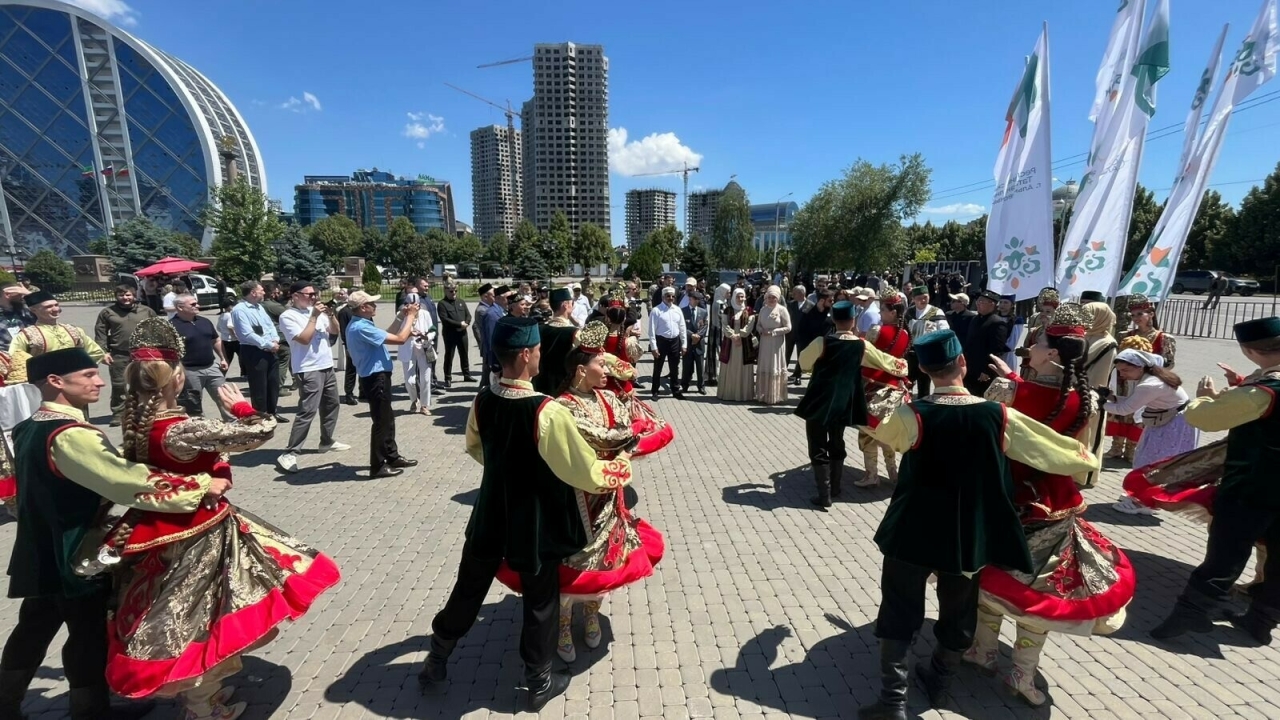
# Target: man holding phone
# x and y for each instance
(309, 326)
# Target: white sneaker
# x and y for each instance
(1128, 506)
(334, 447)
(288, 462)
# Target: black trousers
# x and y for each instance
(84, 654)
(924, 386)
(790, 339)
(229, 350)
(456, 342)
(349, 376)
(826, 444)
(668, 352)
(712, 351)
(376, 390)
(540, 601)
(692, 363)
(262, 370)
(1236, 527)
(902, 587)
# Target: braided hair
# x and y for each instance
(145, 381)
(1071, 353)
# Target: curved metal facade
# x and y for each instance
(97, 127)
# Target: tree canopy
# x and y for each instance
(646, 262)
(733, 235)
(695, 258)
(1146, 213)
(245, 228)
(554, 244)
(666, 240)
(49, 272)
(336, 237)
(410, 253)
(299, 259)
(138, 242)
(591, 247)
(499, 249)
(1252, 244)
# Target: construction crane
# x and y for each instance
(685, 172)
(505, 62)
(511, 145)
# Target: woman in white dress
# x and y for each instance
(737, 351)
(772, 325)
(417, 358)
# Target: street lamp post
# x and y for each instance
(777, 217)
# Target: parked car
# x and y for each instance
(451, 270)
(204, 287)
(470, 271)
(1244, 286)
(1197, 282)
(491, 269)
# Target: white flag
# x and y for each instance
(1020, 226)
(1191, 130)
(1117, 59)
(1093, 247)
(1251, 68)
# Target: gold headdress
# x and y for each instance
(892, 296)
(1138, 301)
(591, 338)
(1048, 295)
(156, 339)
(1067, 321)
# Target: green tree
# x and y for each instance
(855, 221)
(464, 250)
(733, 235)
(666, 240)
(499, 249)
(336, 237)
(695, 258)
(410, 252)
(1210, 230)
(554, 244)
(299, 259)
(245, 227)
(374, 246)
(528, 263)
(1253, 244)
(591, 247)
(49, 272)
(646, 261)
(138, 242)
(371, 280)
(1146, 213)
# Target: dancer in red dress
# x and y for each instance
(1082, 581)
(623, 548)
(8, 483)
(884, 391)
(195, 591)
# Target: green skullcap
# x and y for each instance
(516, 333)
(937, 348)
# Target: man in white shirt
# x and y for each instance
(581, 305)
(309, 327)
(667, 338)
(870, 315)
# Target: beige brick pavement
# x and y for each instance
(762, 608)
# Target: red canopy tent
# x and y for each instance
(172, 266)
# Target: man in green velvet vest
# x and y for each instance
(67, 472)
(951, 519)
(1246, 509)
(557, 342)
(834, 399)
(526, 514)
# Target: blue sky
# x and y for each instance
(784, 95)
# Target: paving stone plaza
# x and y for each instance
(761, 608)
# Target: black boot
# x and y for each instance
(822, 474)
(435, 670)
(13, 688)
(543, 686)
(936, 675)
(94, 703)
(837, 471)
(892, 704)
(1187, 616)
(1254, 623)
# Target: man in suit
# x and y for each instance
(960, 315)
(796, 308)
(988, 335)
(696, 323)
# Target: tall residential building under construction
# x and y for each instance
(566, 129)
(648, 210)
(496, 180)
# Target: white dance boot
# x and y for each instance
(564, 646)
(871, 476)
(591, 618)
(891, 464)
(1026, 658)
(209, 702)
(985, 650)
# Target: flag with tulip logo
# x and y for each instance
(1020, 226)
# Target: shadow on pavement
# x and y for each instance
(485, 671)
(793, 488)
(262, 684)
(1108, 515)
(453, 418)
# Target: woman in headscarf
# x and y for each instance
(1124, 431)
(1100, 321)
(623, 548)
(772, 325)
(738, 346)
(1083, 582)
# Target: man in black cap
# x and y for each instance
(49, 333)
(455, 318)
(66, 471)
(834, 399)
(526, 513)
(951, 519)
(1246, 509)
(480, 329)
(696, 324)
(501, 299)
(988, 335)
(557, 343)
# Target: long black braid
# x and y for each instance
(1071, 352)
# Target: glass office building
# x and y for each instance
(771, 223)
(373, 198)
(97, 127)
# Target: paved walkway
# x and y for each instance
(762, 608)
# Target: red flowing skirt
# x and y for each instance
(1185, 484)
(637, 566)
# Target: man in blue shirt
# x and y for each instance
(492, 368)
(259, 343)
(367, 344)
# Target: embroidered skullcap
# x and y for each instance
(1260, 329)
(504, 290)
(1140, 358)
(937, 348)
(1138, 301)
(919, 290)
(591, 338)
(1089, 296)
(156, 339)
(39, 296)
(516, 333)
(842, 311)
(58, 362)
(1067, 321)
(991, 295)
(560, 295)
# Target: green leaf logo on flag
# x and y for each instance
(1023, 102)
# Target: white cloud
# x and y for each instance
(421, 126)
(308, 102)
(657, 152)
(116, 11)
(955, 209)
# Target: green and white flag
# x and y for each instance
(1020, 226)
(1093, 246)
(1252, 67)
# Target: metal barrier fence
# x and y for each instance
(1191, 318)
(104, 293)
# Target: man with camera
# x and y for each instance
(309, 326)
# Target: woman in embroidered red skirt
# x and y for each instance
(195, 591)
(1083, 582)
